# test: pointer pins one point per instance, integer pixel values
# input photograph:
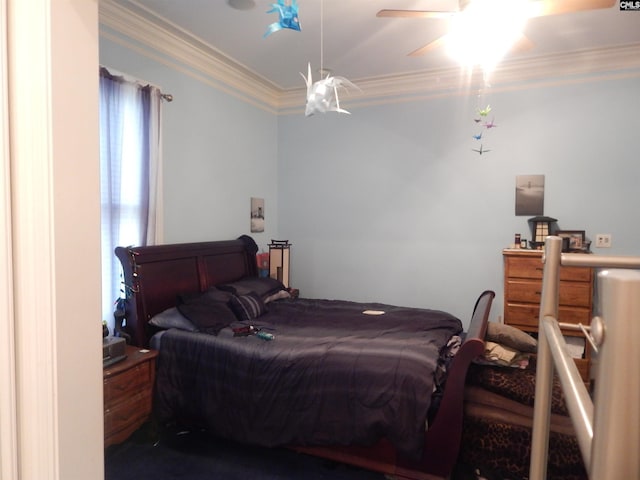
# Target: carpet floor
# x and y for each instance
(197, 456)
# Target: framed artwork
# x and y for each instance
(257, 215)
(575, 238)
(530, 195)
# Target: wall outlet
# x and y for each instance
(603, 240)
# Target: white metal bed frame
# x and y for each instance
(607, 426)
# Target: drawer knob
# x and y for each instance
(597, 331)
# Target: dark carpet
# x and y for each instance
(171, 455)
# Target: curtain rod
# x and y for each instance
(165, 96)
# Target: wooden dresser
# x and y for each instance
(128, 392)
(523, 288)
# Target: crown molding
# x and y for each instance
(548, 70)
(134, 27)
(173, 46)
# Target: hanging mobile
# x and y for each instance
(287, 17)
(322, 96)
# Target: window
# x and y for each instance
(130, 174)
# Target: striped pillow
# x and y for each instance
(247, 307)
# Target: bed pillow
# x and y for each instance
(213, 294)
(247, 307)
(263, 286)
(207, 312)
(511, 337)
(172, 318)
(277, 296)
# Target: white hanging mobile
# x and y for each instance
(322, 96)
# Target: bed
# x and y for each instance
(352, 382)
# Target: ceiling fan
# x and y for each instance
(539, 8)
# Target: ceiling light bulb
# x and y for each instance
(485, 30)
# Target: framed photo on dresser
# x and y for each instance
(576, 239)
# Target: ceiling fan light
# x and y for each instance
(485, 30)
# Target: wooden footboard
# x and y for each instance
(442, 439)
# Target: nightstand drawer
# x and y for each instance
(128, 393)
(127, 415)
(127, 384)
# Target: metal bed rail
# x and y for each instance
(608, 426)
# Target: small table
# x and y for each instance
(128, 393)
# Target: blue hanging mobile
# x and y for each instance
(288, 17)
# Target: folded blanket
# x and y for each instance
(503, 356)
(498, 419)
(515, 384)
(491, 406)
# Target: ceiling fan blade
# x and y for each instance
(429, 47)
(413, 14)
(522, 44)
(557, 7)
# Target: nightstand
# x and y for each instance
(128, 393)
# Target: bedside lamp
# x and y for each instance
(279, 266)
(541, 228)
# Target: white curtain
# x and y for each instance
(130, 175)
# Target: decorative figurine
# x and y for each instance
(481, 151)
(484, 112)
(288, 17)
(490, 124)
(322, 96)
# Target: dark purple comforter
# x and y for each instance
(331, 376)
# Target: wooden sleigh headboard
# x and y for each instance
(155, 275)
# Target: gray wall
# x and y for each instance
(390, 203)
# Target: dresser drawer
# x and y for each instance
(127, 415)
(523, 272)
(123, 386)
(529, 291)
(575, 274)
(526, 316)
(532, 267)
(583, 368)
(524, 267)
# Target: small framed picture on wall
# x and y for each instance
(530, 195)
(257, 215)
